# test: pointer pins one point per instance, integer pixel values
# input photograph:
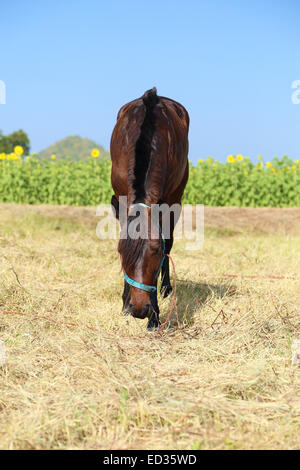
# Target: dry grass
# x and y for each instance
(222, 379)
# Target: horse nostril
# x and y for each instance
(133, 311)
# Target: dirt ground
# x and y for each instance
(272, 220)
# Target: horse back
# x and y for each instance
(168, 164)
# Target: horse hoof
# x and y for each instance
(166, 290)
(153, 324)
(152, 328)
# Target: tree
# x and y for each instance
(19, 138)
(9, 142)
(4, 144)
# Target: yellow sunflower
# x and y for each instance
(95, 153)
(18, 150)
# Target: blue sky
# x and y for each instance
(69, 65)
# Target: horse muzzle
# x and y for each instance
(144, 313)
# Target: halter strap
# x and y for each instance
(140, 285)
(140, 204)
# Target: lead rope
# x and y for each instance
(162, 327)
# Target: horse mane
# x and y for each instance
(131, 250)
(143, 146)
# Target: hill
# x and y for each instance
(75, 147)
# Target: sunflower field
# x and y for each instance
(237, 182)
(240, 182)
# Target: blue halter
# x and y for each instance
(140, 285)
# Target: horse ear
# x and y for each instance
(115, 204)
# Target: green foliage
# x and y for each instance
(244, 184)
(4, 144)
(9, 142)
(123, 407)
(74, 147)
(87, 182)
(36, 181)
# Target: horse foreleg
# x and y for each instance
(166, 287)
(153, 321)
(126, 296)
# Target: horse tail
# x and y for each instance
(143, 147)
(150, 98)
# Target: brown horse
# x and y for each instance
(149, 148)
